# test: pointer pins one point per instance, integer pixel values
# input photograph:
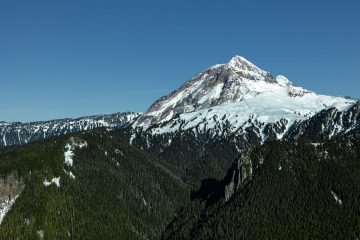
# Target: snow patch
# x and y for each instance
(337, 199)
(40, 234)
(132, 138)
(5, 206)
(69, 153)
(69, 150)
(71, 175)
(55, 181)
(144, 201)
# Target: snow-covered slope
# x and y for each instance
(20, 133)
(237, 94)
(326, 124)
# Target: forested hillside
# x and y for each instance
(300, 191)
(111, 190)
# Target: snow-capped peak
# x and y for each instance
(240, 63)
(237, 82)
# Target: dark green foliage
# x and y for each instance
(195, 155)
(289, 196)
(118, 192)
(124, 191)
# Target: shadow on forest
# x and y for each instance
(211, 190)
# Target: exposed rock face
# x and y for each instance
(10, 189)
(20, 133)
(222, 83)
(233, 178)
(238, 173)
(212, 189)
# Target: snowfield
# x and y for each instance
(237, 93)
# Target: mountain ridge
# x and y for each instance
(237, 93)
(19, 133)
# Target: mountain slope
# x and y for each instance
(199, 153)
(201, 138)
(20, 133)
(87, 186)
(296, 191)
(326, 124)
(236, 92)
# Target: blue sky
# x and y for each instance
(72, 58)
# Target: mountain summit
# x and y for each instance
(247, 69)
(239, 87)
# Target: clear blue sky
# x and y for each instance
(73, 58)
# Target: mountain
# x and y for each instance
(236, 94)
(239, 94)
(20, 133)
(234, 107)
(234, 153)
